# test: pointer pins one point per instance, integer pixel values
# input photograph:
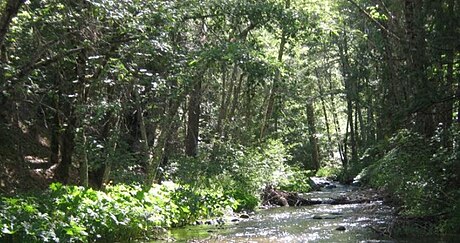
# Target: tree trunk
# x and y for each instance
(392, 91)
(145, 152)
(350, 90)
(313, 139)
(84, 167)
(55, 133)
(67, 149)
(276, 80)
(68, 130)
(326, 118)
(158, 151)
(236, 97)
(193, 121)
(423, 89)
(335, 120)
(223, 102)
(10, 11)
(82, 82)
(112, 134)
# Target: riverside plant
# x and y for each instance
(120, 213)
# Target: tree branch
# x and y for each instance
(35, 63)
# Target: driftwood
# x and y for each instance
(271, 196)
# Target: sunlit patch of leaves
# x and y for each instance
(121, 213)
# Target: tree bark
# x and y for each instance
(316, 164)
(326, 118)
(236, 97)
(112, 135)
(193, 121)
(223, 102)
(350, 97)
(159, 150)
(68, 131)
(335, 120)
(11, 10)
(55, 132)
(422, 88)
(81, 76)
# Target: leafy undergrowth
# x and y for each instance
(121, 213)
(329, 172)
(422, 177)
(297, 180)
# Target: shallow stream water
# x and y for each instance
(363, 222)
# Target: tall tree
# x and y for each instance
(9, 10)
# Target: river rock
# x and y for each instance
(330, 217)
(325, 216)
(244, 216)
(209, 222)
(340, 228)
(220, 221)
(330, 186)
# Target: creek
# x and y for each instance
(353, 222)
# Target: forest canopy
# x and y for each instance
(225, 97)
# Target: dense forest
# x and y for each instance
(117, 117)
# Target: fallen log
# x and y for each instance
(271, 197)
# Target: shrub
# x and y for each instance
(297, 180)
(240, 172)
(329, 172)
(420, 174)
(121, 213)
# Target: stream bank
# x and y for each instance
(362, 217)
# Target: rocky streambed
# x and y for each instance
(333, 213)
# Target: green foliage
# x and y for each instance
(121, 213)
(420, 174)
(240, 172)
(297, 180)
(329, 172)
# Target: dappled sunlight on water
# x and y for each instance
(317, 223)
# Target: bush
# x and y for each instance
(420, 174)
(297, 180)
(122, 213)
(240, 172)
(329, 172)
